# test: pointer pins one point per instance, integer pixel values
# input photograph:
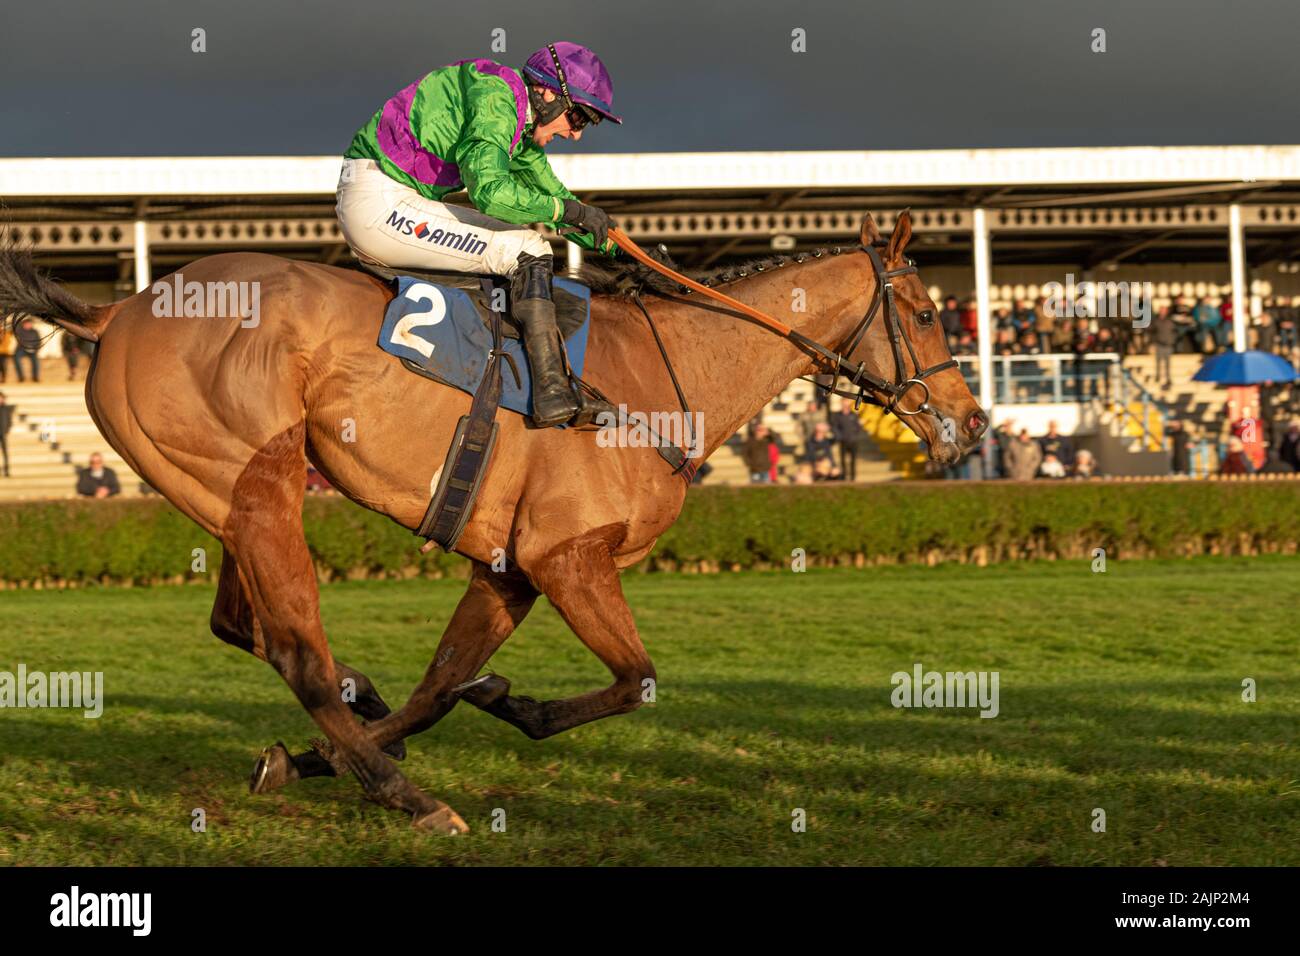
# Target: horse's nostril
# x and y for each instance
(976, 422)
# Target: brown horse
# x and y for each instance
(218, 414)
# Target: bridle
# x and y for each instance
(858, 375)
(838, 365)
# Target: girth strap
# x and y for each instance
(470, 453)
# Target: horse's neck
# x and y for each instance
(730, 368)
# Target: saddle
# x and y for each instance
(570, 309)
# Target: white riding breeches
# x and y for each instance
(388, 223)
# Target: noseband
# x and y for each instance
(858, 375)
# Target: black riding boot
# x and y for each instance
(554, 400)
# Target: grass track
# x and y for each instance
(1120, 691)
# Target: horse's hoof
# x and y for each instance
(443, 820)
(484, 691)
(396, 750)
(274, 769)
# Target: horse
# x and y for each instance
(221, 416)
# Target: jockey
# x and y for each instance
(480, 126)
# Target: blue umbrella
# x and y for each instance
(1246, 368)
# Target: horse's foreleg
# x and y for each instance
(489, 612)
(265, 535)
(582, 583)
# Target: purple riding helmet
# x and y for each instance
(577, 75)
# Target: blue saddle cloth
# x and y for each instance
(440, 330)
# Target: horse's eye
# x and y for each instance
(925, 318)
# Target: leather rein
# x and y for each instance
(835, 362)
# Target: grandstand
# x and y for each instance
(997, 226)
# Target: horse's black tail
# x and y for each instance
(26, 290)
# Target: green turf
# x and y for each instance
(1119, 690)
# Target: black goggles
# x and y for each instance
(580, 116)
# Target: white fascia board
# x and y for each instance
(679, 172)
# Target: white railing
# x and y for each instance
(1051, 377)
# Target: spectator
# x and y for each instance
(1181, 313)
(1044, 322)
(1165, 335)
(1209, 325)
(97, 481)
(1051, 467)
(1265, 331)
(1237, 462)
(1022, 317)
(820, 452)
(824, 470)
(1225, 317)
(803, 474)
(1106, 341)
(848, 432)
(1286, 326)
(758, 454)
(1002, 436)
(1179, 447)
(8, 345)
(1022, 457)
(6, 421)
(1085, 465)
(1057, 446)
(950, 319)
(29, 343)
(970, 318)
(71, 346)
(1030, 344)
(1288, 450)
(1081, 344)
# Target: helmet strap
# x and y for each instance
(544, 111)
(559, 76)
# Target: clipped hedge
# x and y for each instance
(146, 541)
(981, 522)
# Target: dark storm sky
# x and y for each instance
(116, 77)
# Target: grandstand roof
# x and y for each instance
(1162, 203)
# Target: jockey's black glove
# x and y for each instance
(590, 219)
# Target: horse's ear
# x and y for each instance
(870, 231)
(901, 235)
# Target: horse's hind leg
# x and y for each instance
(264, 534)
(582, 583)
(234, 622)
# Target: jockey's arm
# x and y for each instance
(523, 192)
(532, 166)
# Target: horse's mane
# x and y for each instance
(624, 277)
